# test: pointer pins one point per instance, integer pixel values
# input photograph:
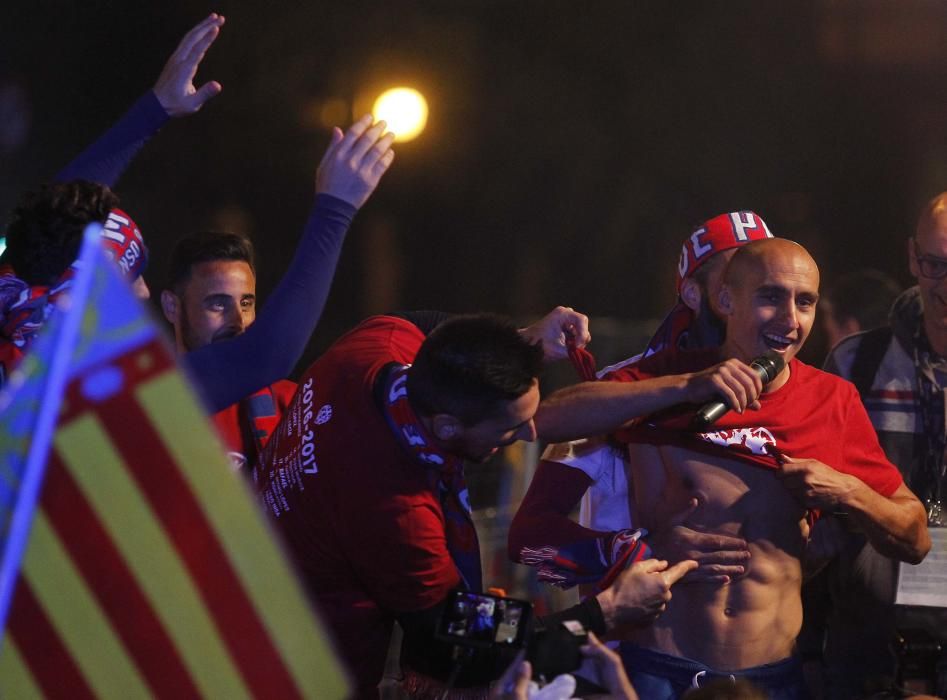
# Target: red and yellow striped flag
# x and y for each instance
(150, 570)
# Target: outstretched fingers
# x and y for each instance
(675, 573)
(378, 149)
(355, 161)
(174, 88)
(196, 54)
(352, 135)
(201, 35)
(383, 163)
(334, 142)
(367, 140)
(652, 566)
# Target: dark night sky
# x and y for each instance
(571, 146)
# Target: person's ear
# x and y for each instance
(170, 306)
(690, 294)
(912, 257)
(446, 427)
(725, 300)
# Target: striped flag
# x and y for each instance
(149, 570)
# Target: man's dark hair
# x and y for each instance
(206, 246)
(46, 227)
(864, 295)
(469, 364)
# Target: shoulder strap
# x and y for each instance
(871, 350)
(259, 415)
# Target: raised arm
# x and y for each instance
(269, 349)
(594, 408)
(552, 328)
(174, 95)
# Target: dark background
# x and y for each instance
(570, 148)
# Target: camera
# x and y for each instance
(483, 621)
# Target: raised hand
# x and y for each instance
(175, 86)
(720, 558)
(551, 331)
(355, 161)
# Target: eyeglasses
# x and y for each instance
(930, 266)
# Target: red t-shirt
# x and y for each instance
(231, 422)
(814, 415)
(355, 509)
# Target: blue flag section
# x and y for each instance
(31, 400)
(135, 563)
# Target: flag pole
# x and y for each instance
(42, 436)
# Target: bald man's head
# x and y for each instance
(769, 296)
(932, 223)
(758, 254)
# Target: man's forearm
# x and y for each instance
(895, 526)
(228, 371)
(594, 408)
(107, 158)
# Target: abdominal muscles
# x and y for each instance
(754, 619)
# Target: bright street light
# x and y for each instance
(404, 109)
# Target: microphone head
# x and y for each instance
(768, 365)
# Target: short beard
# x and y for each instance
(186, 331)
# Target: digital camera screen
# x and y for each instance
(482, 620)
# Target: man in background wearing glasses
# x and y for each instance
(900, 371)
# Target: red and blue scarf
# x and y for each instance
(446, 477)
(24, 309)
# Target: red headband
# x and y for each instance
(124, 244)
(716, 235)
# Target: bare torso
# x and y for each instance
(755, 618)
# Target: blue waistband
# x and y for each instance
(638, 658)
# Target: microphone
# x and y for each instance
(766, 366)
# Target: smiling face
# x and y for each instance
(769, 298)
(930, 243)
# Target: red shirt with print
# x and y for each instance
(232, 423)
(357, 512)
(814, 415)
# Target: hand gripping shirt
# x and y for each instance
(814, 415)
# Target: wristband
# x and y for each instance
(628, 547)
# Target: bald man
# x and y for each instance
(802, 443)
(900, 371)
(542, 533)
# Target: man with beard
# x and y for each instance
(364, 478)
(804, 444)
(211, 296)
